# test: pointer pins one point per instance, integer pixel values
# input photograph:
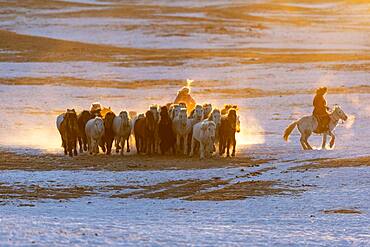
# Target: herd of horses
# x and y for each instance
(167, 129)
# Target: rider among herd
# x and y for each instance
(179, 127)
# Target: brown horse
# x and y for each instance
(227, 107)
(144, 130)
(82, 119)
(108, 133)
(69, 132)
(228, 127)
(166, 135)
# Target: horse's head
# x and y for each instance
(154, 110)
(209, 130)
(175, 111)
(85, 116)
(207, 109)
(108, 120)
(124, 118)
(183, 117)
(340, 113)
(150, 121)
(198, 113)
(132, 114)
(215, 116)
(164, 112)
(99, 123)
(232, 118)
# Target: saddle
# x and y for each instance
(322, 126)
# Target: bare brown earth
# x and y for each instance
(212, 86)
(47, 162)
(28, 48)
(213, 189)
(36, 192)
(342, 211)
(334, 163)
(210, 190)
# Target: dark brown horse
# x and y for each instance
(227, 107)
(144, 130)
(82, 119)
(166, 135)
(108, 137)
(228, 127)
(69, 132)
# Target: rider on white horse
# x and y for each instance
(321, 110)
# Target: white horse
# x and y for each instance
(308, 124)
(197, 113)
(174, 111)
(122, 131)
(205, 133)
(216, 118)
(94, 131)
(182, 126)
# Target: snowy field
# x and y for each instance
(267, 58)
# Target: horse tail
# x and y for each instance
(289, 130)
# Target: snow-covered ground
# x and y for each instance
(28, 113)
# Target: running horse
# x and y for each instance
(309, 124)
(68, 128)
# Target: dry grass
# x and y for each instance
(334, 163)
(242, 190)
(47, 162)
(341, 211)
(36, 192)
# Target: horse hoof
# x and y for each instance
(128, 150)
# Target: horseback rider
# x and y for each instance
(321, 109)
(183, 96)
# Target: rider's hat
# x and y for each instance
(321, 90)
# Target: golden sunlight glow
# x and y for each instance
(251, 131)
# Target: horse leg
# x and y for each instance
(332, 140)
(117, 140)
(234, 145)
(69, 147)
(121, 142)
(308, 134)
(220, 147)
(89, 145)
(201, 149)
(80, 144)
(178, 138)
(228, 147)
(128, 144)
(137, 144)
(192, 147)
(303, 143)
(109, 145)
(185, 144)
(75, 147)
(64, 146)
(323, 145)
(84, 139)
